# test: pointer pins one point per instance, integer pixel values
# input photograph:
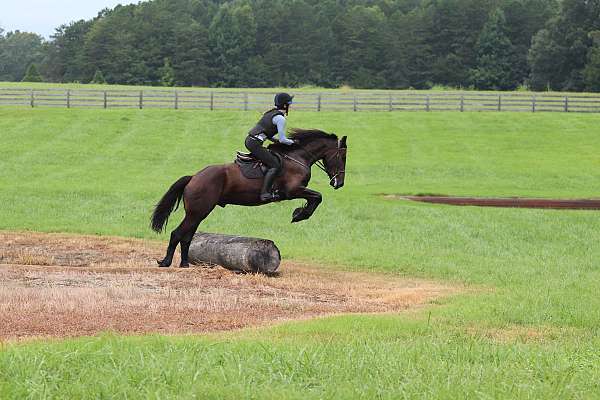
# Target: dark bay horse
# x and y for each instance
(225, 184)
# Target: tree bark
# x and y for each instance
(236, 253)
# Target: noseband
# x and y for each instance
(338, 157)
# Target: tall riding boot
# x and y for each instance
(266, 193)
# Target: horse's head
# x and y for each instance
(320, 148)
(334, 161)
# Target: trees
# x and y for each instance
(98, 78)
(488, 44)
(545, 58)
(64, 61)
(495, 56)
(455, 28)
(524, 18)
(591, 72)
(360, 36)
(32, 75)
(190, 54)
(167, 73)
(409, 57)
(232, 37)
(559, 53)
(18, 51)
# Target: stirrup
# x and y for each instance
(270, 196)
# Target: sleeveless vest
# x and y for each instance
(265, 124)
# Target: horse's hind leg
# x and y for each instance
(198, 201)
(182, 234)
(188, 235)
(173, 242)
(185, 247)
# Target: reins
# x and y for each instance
(318, 162)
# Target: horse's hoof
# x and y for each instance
(163, 264)
(184, 265)
(298, 215)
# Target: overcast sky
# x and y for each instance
(42, 16)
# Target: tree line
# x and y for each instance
(394, 44)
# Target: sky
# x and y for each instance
(43, 16)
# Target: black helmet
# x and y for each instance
(282, 100)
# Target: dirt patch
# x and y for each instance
(65, 285)
(515, 202)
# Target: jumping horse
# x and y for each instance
(226, 184)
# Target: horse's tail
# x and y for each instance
(168, 204)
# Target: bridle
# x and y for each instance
(320, 163)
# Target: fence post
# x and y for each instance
(533, 103)
(141, 99)
(245, 101)
(105, 99)
(68, 98)
(176, 100)
(499, 102)
(462, 103)
(32, 99)
(212, 100)
(427, 103)
(390, 103)
(566, 103)
(319, 102)
(354, 103)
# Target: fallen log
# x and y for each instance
(236, 253)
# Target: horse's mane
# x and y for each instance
(304, 136)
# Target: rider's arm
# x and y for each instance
(279, 121)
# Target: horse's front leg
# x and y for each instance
(313, 199)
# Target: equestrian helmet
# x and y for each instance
(282, 100)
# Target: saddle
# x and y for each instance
(252, 167)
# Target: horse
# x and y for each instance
(226, 184)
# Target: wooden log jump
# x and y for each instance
(236, 253)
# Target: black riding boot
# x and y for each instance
(266, 193)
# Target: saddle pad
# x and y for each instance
(251, 169)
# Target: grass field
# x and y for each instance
(526, 327)
(306, 88)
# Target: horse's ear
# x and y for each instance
(343, 141)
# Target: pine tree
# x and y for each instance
(167, 74)
(32, 75)
(98, 78)
(495, 56)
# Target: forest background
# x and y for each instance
(383, 44)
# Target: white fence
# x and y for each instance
(308, 101)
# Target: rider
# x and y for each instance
(271, 123)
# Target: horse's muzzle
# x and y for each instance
(336, 183)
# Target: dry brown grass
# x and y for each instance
(523, 334)
(65, 285)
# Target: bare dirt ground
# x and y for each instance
(56, 285)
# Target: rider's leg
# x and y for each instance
(266, 192)
(255, 147)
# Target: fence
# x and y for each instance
(309, 101)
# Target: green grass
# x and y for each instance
(100, 171)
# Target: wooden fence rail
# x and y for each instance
(308, 101)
